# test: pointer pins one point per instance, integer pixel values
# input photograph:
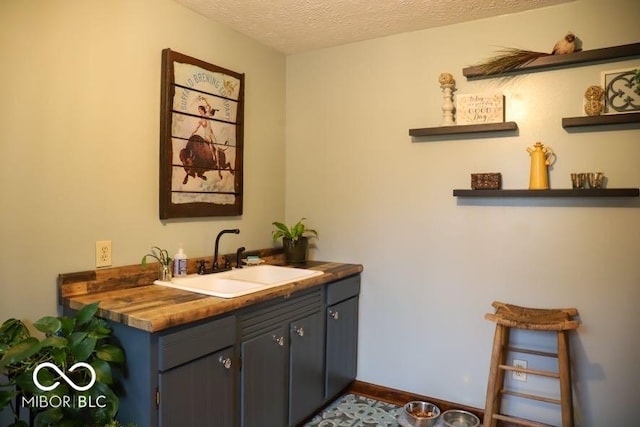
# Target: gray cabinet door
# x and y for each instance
(306, 363)
(198, 392)
(264, 379)
(342, 346)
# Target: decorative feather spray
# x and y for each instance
(509, 59)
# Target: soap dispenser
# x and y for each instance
(180, 263)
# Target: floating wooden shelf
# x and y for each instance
(552, 61)
(568, 192)
(606, 119)
(459, 129)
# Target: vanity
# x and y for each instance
(271, 358)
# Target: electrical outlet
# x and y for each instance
(103, 253)
(519, 375)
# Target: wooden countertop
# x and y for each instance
(127, 295)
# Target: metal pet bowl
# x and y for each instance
(459, 418)
(420, 414)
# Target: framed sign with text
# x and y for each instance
(201, 138)
(479, 108)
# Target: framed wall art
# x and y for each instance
(479, 108)
(620, 91)
(201, 138)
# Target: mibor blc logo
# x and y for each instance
(65, 401)
(64, 377)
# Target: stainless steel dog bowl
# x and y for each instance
(459, 418)
(420, 414)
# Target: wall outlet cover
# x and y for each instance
(103, 253)
(518, 375)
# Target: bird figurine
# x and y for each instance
(565, 45)
(511, 59)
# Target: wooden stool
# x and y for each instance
(511, 316)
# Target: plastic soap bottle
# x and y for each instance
(180, 263)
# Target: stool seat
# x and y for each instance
(541, 319)
(509, 316)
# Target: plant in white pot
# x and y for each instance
(295, 240)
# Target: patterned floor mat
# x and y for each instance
(352, 410)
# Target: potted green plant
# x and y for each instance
(163, 258)
(295, 240)
(64, 379)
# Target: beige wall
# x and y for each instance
(434, 263)
(80, 135)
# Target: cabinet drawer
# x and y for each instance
(259, 320)
(193, 342)
(343, 289)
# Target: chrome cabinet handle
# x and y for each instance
(279, 340)
(298, 330)
(226, 362)
(334, 314)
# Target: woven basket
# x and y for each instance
(486, 181)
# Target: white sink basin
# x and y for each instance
(238, 282)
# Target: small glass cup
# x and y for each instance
(578, 180)
(596, 179)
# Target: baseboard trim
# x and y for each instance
(399, 397)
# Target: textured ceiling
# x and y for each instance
(294, 26)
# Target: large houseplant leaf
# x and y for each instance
(66, 325)
(81, 345)
(12, 331)
(57, 342)
(86, 313)
(97, 329)
(48, 325)
(102, 370)
(110, 353)
(24, 380)
(19, 352)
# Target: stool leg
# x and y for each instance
(564, 369)
(496, 375)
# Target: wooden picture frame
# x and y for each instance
(201, 138)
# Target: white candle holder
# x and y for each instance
(447, 84)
